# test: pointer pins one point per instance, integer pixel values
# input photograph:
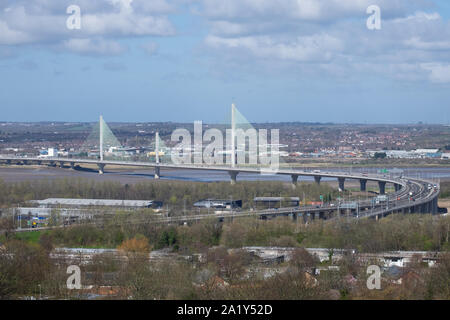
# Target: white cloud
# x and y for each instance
(44, 21)
(439, 73)
(331, 36)
(12, 37)
(420, 15)
(417, 43)
(93, 46)
(126, 25)
(314, 10)
(319, 47)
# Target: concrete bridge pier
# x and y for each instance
(341, 184)
(294, 178)
(435, 206)
(363, 183)
(424, 208)
(382, 186)
(233, 175)
(101, 168)
(305, 217)
(61, 164)
(317, 179)
(397, 187)
(157, 172)
(72, 165)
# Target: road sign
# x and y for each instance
(349, 205)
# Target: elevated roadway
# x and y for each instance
(411, 195)
(232, 171)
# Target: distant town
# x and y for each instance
(298, 141)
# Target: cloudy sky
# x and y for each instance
(185, 60)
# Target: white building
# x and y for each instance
(52, 152)
(404, 154)
(425, 151)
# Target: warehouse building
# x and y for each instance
(74, 209)
(218, 204)
(80, 203)
(276, 202)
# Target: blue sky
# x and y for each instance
(186, 60)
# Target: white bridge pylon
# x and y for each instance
(261, 153)
(101, 140)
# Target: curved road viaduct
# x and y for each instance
(411, 195)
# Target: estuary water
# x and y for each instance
(24, 173)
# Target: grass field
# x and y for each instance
(31, 237)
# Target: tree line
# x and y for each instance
(176, 194)
(414, 232)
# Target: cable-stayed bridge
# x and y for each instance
(411, 195)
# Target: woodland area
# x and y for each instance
(28, 269)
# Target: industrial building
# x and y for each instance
(412, 154)
(74, 209)
(218, 204)
(276, 202)
(79, 203)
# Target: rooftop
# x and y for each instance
(93, 202)
(276, 199)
